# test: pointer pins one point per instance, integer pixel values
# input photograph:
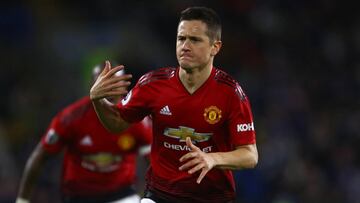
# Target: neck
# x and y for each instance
(193, 78)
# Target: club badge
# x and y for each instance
(126, 142)
(212, 114)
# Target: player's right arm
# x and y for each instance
(109, 85)
(31, 172)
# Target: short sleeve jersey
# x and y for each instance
(217, 117)
(96, 162)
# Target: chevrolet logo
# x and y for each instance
(183, 132)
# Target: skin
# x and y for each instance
(195, 53)
(32, 170)
(109, 85)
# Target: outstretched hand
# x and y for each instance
(196, 160)
(110, 85)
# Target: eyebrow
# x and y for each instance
(191, 37)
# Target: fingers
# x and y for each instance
(115, 93)
(107, 65)
(114, 70)
(193, 158)
(191, 155)
(191, 145)
(188, 142)
(109, 85)
(196, 160)
(106, 68)
(117, 86)
(187, 156)
(109, 71)
(196, 165)
(189, 163)
(119, 81)
(202, 175)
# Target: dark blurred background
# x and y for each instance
(298, 61)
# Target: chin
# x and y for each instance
(185, 65)
(187, 68)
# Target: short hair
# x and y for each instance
(206, 15)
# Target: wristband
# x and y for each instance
(21, 200)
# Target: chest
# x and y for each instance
(89, 136)
(204, 110)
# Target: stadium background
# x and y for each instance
(298, 61)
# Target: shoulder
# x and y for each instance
(75, 111)
(224, 78)
(156, 75)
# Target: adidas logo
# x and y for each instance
(86, 141)
(165, 111)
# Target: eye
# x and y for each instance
(195, 39)
(181, 38)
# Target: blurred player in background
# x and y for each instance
(98, 166)
(202, 121)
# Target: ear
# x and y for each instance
(216, 47)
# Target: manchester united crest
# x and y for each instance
(126, 142)
(212, 114)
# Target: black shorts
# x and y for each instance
(150, 195)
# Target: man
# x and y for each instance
(202, 122)
(98, 166)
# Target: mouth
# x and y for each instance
(185, 56)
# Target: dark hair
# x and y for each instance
(206, 15)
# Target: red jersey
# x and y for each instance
(217, 117)
(96, 162)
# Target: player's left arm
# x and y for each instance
(32, 171)
(245, 156)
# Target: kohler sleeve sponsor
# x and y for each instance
(245, 127)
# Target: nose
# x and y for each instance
(186, 45)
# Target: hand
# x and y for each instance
(109, 85)
(197, 160)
